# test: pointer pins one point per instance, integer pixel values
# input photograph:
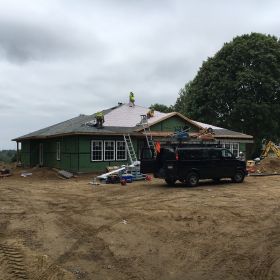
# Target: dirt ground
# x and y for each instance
(68, 229)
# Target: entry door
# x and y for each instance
(41, 154)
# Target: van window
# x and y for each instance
(195, 154)
(226, 154)
(147, 154)
(168, 154)
(215, 154)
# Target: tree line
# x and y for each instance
(238, 89)
(8, 156)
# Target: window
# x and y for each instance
(192, 154)
(227, 146)
(57, 150)
(120, 150)
(96, 150)
(226, 154)
(233, 147)
(109, 150)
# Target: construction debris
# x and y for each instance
(5, 172)
(268, 165)
(112, 168)
(113, 179)
(94, 182)
(25, 174)
(117, 171)
(65, 174)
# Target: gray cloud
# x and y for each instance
(60, 58)
(28, 41)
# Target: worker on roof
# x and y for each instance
(131, 99)
(151, 113)
(99, 116)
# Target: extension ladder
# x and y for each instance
(130, 149)
(148, 134)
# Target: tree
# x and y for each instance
(239, 88)
(162, 108)
(7, 156)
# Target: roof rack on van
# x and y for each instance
(190, 143)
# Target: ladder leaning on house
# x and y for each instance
(130, 149)
(148, 134)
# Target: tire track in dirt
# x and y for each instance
(48, 273)
(262, 268)
(85, 233)
(13, 260)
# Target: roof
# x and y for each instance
(205, 125)
(126, 116)
(223, 132)
(118, 121)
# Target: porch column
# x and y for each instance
(17, 152)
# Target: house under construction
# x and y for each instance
(79, 145)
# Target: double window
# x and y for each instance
(108, 150)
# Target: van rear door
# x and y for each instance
(147, 161)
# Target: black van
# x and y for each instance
(189, 164)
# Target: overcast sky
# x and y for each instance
(60, 58)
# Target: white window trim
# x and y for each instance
(238, 149)
(58, 151)
(125, 151)
(231, 146)
(102, 150)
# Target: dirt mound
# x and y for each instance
(37, 172)
(269, 165)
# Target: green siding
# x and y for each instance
(25, 153)
(172, 124)
(242, 147)
(85, 163)
(76, 150)
(68, 152)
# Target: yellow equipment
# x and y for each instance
(270, 146)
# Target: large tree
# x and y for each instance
(238, 88)
(162, 108)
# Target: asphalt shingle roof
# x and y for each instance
(126, 116)
(118, 120)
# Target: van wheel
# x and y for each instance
(238, 177)
(192, 179)
(170, 181)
